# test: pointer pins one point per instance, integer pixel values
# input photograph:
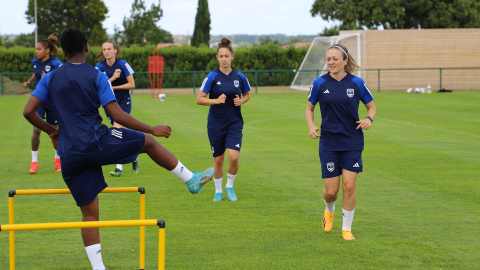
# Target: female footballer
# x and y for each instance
(121, 78)
(227, 89)
(77, 90)
(341, 138)
(43, 64)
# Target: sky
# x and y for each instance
(252, 17)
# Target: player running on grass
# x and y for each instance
(227, 90)
(121, 77)
(43, 64)
(341, 139)
(77, 90)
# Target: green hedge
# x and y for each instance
(186, 58)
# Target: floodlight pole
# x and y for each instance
(36, 25)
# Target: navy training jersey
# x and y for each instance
(109, 70)
(77, 91)
(39, 67)
(217, 83)
(339, 101)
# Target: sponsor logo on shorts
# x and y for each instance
(330, 166)
(237, 145)
(236, 83)
(350, 92)
(213, 150)
(356, 165)
(219, 83)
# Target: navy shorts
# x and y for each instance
(230, 137)
(85, 178)
(334, 161)
(125, 104)
(47, 112)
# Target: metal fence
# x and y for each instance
(461, 78)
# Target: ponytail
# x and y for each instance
(50, 43)
(115, 47)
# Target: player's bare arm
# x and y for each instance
(203, 100)
(309, 114)
(129, 85)
(30, 113)
(239, 101)
(367, 123)
(124, 119)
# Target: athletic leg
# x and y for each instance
(232, 170)
(167, 160)
(218, 177)
(91, 236)
(349, 183)
(35, 145)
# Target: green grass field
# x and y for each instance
(417, 199)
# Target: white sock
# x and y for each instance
(347, 219)
(330, 206)
(120, 167)
(94, 253)
(218, 185)
(34, 156)
(230, 180)
(56, 155)
(182, 172)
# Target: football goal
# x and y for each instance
(314, 63)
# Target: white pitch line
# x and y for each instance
(417, 125)
(389, 120)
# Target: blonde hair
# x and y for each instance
(351, 64)
(50, 43)
(115, 47)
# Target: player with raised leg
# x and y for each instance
(121, 78)
(341, 138)
(77, 90)
(225, 86)
(42, 64)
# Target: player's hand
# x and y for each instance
(25, 85)
(116, 74)
(365, 124)
(54, 136)
(313, 132)
(237, 101)
(221, 99)
(43, 74)
(162, 131)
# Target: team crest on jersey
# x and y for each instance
(47, 68)
(330, 166)
(236, 83)
(350, 92)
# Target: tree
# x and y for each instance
(400, 14)
(201, 33)
(58, 15)
(25, 40)
(140, 28)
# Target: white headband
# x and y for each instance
(333, 46)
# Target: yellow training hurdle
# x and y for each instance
(96, 224)
(11, 214)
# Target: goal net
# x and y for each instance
(314, 63)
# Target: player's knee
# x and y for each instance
(348, 188)
(36, 131)
(330, 193)
(233, 160)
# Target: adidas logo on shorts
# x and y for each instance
(117, 133)
(356, 165)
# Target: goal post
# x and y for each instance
(314, 63)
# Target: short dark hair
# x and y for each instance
(73, 40)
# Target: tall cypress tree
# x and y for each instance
(201, 34)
